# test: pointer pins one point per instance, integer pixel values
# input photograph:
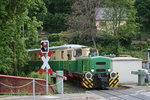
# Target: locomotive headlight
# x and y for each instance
(92, 70)
(109, 70)
(88, 75)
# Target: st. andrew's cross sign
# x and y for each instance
(45, 64)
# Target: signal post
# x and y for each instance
(45, 49)
(59, 74)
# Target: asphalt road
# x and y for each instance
(133, 93)
(76, 96)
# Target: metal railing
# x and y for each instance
(17, 85)
(34, 82)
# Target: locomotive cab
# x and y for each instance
(96, 71)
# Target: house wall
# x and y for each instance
(124, 67)
(108, 24)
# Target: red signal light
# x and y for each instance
(43, 44)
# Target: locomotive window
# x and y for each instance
(77, 53)
(100, 63)
(62, 54)
(93, 52)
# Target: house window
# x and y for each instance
(102, 23)
(62, 54)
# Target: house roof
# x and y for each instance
(107, 14)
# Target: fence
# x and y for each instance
(22, 85)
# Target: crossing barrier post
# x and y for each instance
(62, 89)
(59, 84)
(33, 89)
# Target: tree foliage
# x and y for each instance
(122, 21)
(20, 21)
(14, 14)
(143, 14)
(57, 14)
(55, 39)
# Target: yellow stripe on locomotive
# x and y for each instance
(87, 82)
(114, 79)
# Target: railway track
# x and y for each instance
(117, 95)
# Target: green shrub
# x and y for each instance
(148, 42)
(57, 43)
(55, 37)
(41, 76)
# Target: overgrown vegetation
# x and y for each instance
(42, 76)
(18, 31)
(70, 22)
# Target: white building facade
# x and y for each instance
(124, 65)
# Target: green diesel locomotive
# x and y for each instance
(81, 63)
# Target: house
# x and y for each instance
(105, 17)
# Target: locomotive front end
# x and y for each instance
(100, 74)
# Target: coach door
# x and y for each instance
(69, 55)
(69, 58)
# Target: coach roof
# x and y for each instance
(72, 46)
(66, 46)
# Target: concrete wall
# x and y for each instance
(125, 66)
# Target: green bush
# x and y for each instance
(148, 42)
(55, 37)
(41, 76)
(57, 43)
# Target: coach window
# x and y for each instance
(69, 55)
(62, 54)
(77, 53)
(54, 55)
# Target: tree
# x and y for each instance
(143, 14)
(82, 22)
(55, 39)
(14, 14)
(122, 21)
(57, 14)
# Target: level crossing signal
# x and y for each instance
(45, 46)
(45, 64)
